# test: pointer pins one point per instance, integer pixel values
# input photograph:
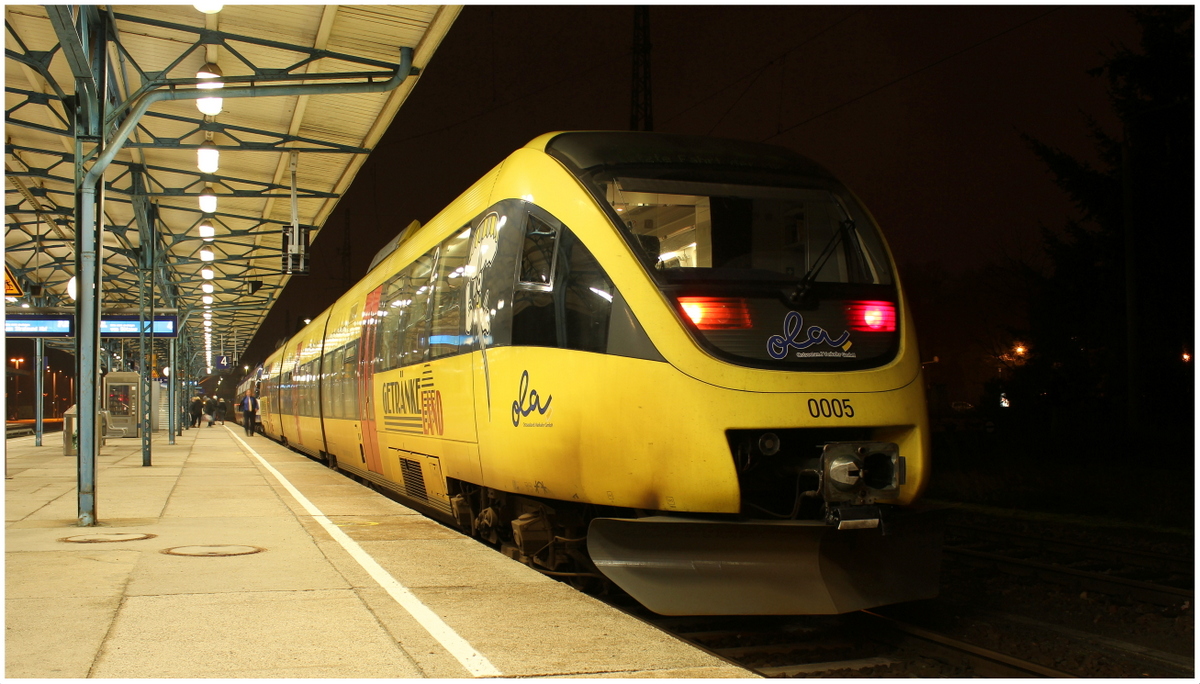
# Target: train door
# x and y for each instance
(368, 438)
(268, 400)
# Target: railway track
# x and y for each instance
(864, 644)
(1145, 576)
(23, 429)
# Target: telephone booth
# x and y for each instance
(122, 402)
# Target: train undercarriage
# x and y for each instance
(845, 558)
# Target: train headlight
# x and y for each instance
(768, 444)
(861, 472)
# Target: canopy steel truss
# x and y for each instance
(102, 133)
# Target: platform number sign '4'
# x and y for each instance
(221, 361)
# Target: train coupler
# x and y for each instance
(861, 472)
(855, 518)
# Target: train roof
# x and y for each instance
(587, 150)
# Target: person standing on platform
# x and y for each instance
(197, 409)
(210, 410)
(221, 408)
(249, 412)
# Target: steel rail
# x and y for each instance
(1182, 665)
(985, 662)
(1145, 591)
(1151, 559)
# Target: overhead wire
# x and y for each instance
(911, 74)
(758, 70)
(606, 61)
(745, 90)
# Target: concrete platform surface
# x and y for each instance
(232, 556)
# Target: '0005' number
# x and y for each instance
(830, 408)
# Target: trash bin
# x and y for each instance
(71, 430)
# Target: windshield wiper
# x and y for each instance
(802, 295)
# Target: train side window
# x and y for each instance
(300, 380)
(415, 289)
(447, 330)
(301, 376)
(387, 333)
(331, 386)
(348, 391)
(323, 383)
(537, 256)
(285, 381)
(298, 391)
(311, 393)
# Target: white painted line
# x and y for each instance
(460, 648)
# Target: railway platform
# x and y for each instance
(232, 556)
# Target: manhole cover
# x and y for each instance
(98, 537)
(213, 550)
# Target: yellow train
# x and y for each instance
(679, 363)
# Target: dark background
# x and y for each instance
(918, 110)
(976, 136)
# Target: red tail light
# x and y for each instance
(871, 316)
(717, 313)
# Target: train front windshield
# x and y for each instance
(771, 262)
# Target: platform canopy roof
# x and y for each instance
(153, 187)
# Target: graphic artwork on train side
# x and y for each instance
(483, 253)
(413, 405)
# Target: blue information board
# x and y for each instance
(39, 325)
(62, 324)
(126, 325)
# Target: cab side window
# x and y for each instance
(563, 298)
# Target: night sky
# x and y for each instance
(919, 110)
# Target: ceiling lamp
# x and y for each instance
(71, 288)
(206, 273)
(208, 157)
(208, 324)
(207, 299)
(206, 254)
(208, 7)
(207, 232)
(208, 200)
(207, 316)
(207, 287)
(210, 105)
